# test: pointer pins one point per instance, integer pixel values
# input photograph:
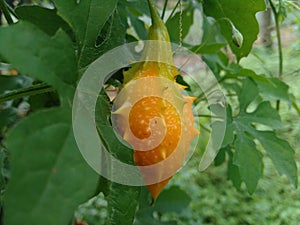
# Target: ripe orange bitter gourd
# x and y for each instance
(154, 115)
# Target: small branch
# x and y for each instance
(174, 9)
(28, 91)
(12, 11)
(296, 107)
(204, 128)
(164, 9)
(279, 45)
(208, 116)
(5, 11)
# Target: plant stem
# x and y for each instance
(12, 11)
(5, 11)
(164, 9)
(279, 45)
(296, 107)
(32, 90)
(174, 9)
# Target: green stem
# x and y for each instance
(5, 11)
(204, 128)
(279, 45)
(208, 116)
(202, 95)
(32, 90)
(174, 9)
(12, 11)
(164, 9)
(296, 107)
(278, 34)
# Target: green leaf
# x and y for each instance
(172, 199)
(249, 161)
(274, 89)
(229, 134)
(87, 19)
(271, 88)
(112, 34)
(137, 7)
(44, 100)
(212, 41)
(247, 127)
(122, 203)
(263, 114)
(50, 59)
(122, 200)
(238, 71)
(138, 25)
(8, 116)
(9, 83)
(246, 94)
(107, 133)
(45, 19)
(207, 48)
(233, 172)
(281, 154)
(174, 27)
(242, 15)
(216, 62)
(49, 177)
(221, 157)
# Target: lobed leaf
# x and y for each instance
(274, 89)
(249, 161)
(244, 127)
(281, 153)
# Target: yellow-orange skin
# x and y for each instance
(178, 119)
(177, 125)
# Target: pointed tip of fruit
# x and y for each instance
(155, 189)
(181, 87)
(196, 131)
(123, 109)
(189, 99)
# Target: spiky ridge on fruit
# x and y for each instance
(165, 115)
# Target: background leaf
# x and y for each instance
(9, 83)
(122, 200)
(53, 57)
(122, 204)
(44, 18)
(48, 178)
(245, 126)
(87, 19)
(274, 89)
(172, 199)
(281, 153)
(249, 161)
(174, 27)
(242, 15)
